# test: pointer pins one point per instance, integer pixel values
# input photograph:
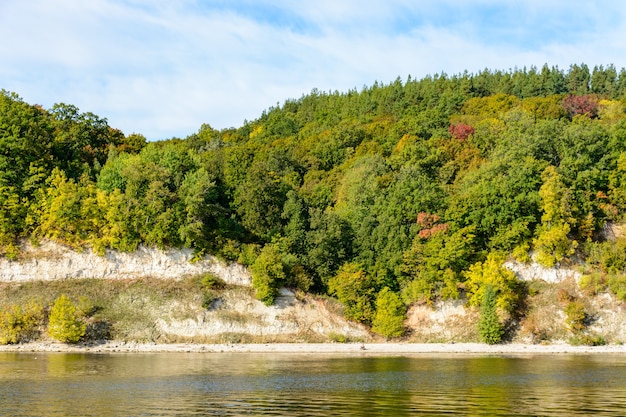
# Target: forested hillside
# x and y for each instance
(395, 194)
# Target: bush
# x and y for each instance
(490, 329)
(593, 283)
(211, 282)
(492, 274)
(18, 324)
(208, 297)
(390, 313)
(64, 323)
(587, 340)
(617, 285)
(575, 315)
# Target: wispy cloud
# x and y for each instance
(162, 68)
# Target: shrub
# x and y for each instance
(617, 285)
(593, 283)
(461, 131)
(581, 105)
(211, 282)
(64, 323)
(18, 324)
(208, 297)
(390, 313)
(575, 315)
(490, 329)
(337, 337)
(587, 340)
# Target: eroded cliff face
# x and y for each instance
(236, 316)
(534, 271)
(51, 261)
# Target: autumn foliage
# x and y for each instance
(461, 131)
(581, 105)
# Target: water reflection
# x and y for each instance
(191, 384)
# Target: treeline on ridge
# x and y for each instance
(399, 193)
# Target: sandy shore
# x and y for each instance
(321, 348)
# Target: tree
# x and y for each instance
(268, 274)
(355, 290)
(390, 314)
(64, 323)
(461, 131)
(65, 210)
(552, 243)
(490, 329)
(581, 105)
(490, 275)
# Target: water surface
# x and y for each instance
(223, 384)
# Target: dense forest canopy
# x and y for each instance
(398, 193)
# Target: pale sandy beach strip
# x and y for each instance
(322, 348)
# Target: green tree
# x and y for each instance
(64, 324)
(490, 329)
(355, 290)
(432, 267)
(390, 314)
(268, 274)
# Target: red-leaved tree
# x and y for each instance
(587, 105)
(429, 225)
(461, 131)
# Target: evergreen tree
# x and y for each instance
(490, 329)
(64, 324)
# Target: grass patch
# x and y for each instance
(124, 310)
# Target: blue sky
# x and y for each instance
(164, 67)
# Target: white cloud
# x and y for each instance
(163, 68)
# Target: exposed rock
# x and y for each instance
(51, 261)
(239, 313)
(532, 271)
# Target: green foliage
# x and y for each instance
(491, 276)
(18, 324)
(64, 323)
(356, 291)
(617, 285)
(334, 179)
(609, 257)
(212, 282)
(584, 339)
(268, 274)
(390, 314)
(552, 244)
(490, 329)
(433, 267)
(593, 283)
(575, 315)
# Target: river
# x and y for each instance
(236, 384)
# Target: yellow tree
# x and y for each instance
(491, 273)
(552, 243)
(64, 323)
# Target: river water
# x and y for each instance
(238, 384)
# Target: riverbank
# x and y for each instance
(320, 348)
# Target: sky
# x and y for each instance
(163, 68)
